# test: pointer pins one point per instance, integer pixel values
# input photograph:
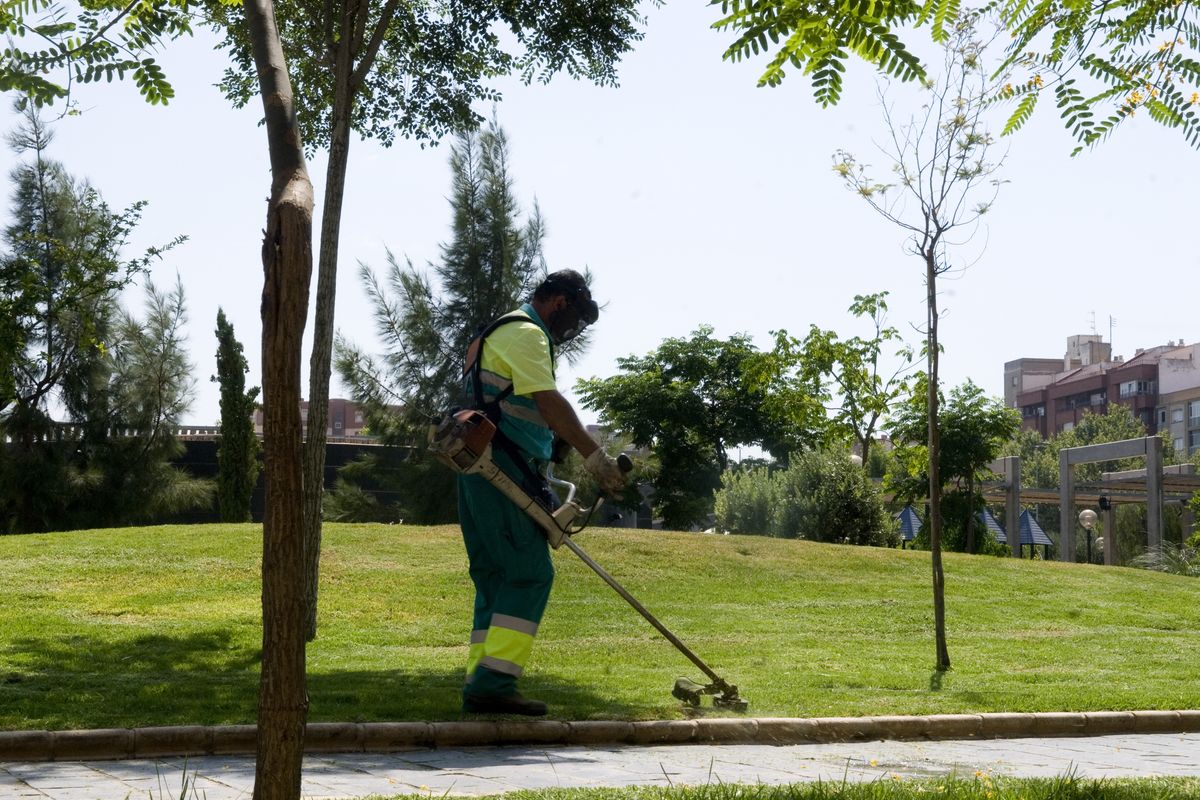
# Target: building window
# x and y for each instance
(1014, 380)
(1162, 416)
(1177, 415)
(1068, 426)
(1193, 440)
(1178, 444)
(358, 417)
(1131, 388)
(1194, 414)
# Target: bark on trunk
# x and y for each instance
(935, 478)
(287, 268)
(319, 365)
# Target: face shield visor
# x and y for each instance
(581, 311)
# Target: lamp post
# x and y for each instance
(1087, 518)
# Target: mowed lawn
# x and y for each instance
(158, 626)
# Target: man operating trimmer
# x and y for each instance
(511, 374)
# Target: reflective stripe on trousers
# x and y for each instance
(512, 572)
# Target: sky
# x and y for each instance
(692, 195)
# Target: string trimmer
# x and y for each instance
(463, 440)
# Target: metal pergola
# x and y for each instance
(1153, 487)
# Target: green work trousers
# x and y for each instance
(512, 572)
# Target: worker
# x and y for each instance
(508, 554)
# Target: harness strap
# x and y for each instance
(491, 408)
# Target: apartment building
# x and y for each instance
(345, 419)
(1089, 378)
(1178, 410)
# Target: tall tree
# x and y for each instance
(945, 185)
(287, 268)
(237, 452)
(691, 400)
(863, 389)
(62, 261)
(60, 271)
(425, 317)
(382, 69)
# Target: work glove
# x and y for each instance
(605, 470)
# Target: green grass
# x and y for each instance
(979, 788)
(157, 626)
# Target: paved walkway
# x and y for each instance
(495, 770)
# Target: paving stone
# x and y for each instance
(495, 770)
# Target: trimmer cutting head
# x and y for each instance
(724, 695)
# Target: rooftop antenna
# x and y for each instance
(1112, 323)
(1092, 315)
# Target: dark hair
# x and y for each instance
(566, 282)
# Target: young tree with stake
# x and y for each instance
(944, 185)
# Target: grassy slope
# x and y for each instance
(152, 626)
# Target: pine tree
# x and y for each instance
(426, 318)
(129, 401)
(237, 453)
(490, 265)
(60, 272)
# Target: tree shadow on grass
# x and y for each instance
(123, 679)
(208, 678)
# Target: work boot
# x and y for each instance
(509, 704)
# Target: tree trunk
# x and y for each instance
(287, 268)
(319, 365)
(935, 477)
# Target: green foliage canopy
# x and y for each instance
(94, 41)
(690, 401)
(862, 390)
(61, 262)
(974, 431)
(1039, 458)
(1103, 62)
(417, 68)
(122, 382)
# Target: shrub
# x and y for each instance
(826, 498)
(746, 501)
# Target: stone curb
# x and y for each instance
(375, 737)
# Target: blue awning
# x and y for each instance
(992, 525)
(910, 523)
(1031, 532)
